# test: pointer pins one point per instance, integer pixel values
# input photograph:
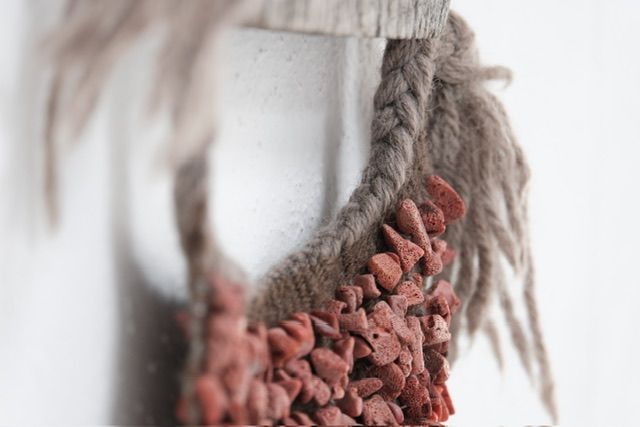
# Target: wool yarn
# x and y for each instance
(432, 115)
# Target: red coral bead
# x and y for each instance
(408, 252)
(368, 284)
(411, 292)
(444, 288)
(410, 222)
(330, 416)
(446, 198)
(386, 269)
(328, 365)
(392, 377)
(366, 387)
(432, 218)
(376, 412)
(435, 329)
(351, 404)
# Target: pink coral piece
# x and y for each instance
(435, 329)
(351, 404)
(385, 346)
(212, 398)
(368, 284)
(408, 252)
(410, 222)
(398, 304)
(444, 288)
(354, 322)
(283, 347)
(446, 198)
(328, 365)
(376, 412)
(335, 306)
(386, 269)
(347, 294)
(366, 387)
(329, 416)
(326, 324)
(392, 377)
(432, 218)
(361, 348)
(411, 292)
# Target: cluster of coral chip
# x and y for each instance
(376, 354)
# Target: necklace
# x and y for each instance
(432, 115)
(375, 355)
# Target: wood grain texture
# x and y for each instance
(394, 19)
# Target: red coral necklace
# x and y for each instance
(376, 354)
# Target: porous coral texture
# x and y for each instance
(376, 354)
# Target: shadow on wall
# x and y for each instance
(151, 350)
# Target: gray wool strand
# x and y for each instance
(473, 147)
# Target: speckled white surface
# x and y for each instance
(294, 130)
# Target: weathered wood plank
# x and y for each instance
(396, 19)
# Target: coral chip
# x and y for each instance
(385, 346)
(354, 322)
(437, 365)
(368, 284)
(435, 329)
(366, 387)
(321, 391)
(444, 288)
(345, 349)
(376, 412)
(283, 346)
(408, 252)
(279, 403)
(351, 404)
(328, 365)
(347, 294)
(411, 292)
(212, 398)
(398, 304)
(329, 416)
(361, 348)
(446, 198)
(397, 412)
(292, 387)
(432, 218)
(392, 377)
(335, 306)
(326, 324)
(301, 419)
(410, 222)
(386, 269)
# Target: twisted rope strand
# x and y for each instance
(301, 281)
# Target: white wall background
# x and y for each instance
(85, 311)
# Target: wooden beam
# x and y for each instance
(395, 19)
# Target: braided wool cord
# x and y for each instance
(432, 115)
(308, 277)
